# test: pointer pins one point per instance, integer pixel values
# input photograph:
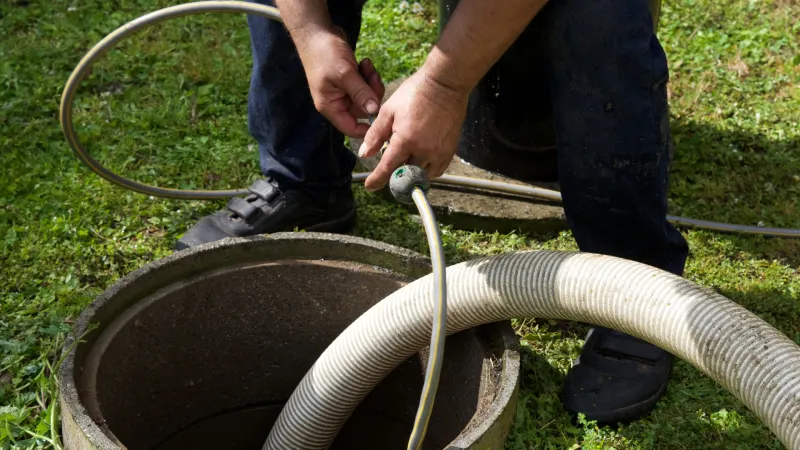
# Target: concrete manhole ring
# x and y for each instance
(201, 350)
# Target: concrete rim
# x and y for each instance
(297, 245)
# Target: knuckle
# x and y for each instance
(373, 138)
(359, 95)
(342, 72)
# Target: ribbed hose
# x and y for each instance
(751, 359)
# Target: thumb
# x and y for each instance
(379, 132)
(360, 92)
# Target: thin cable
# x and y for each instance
(84, 66)
(438, 334)
(551, 195)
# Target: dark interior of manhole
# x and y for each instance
(207, 363)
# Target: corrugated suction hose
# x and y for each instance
(750, 358)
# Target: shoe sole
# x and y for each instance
(340, 225)
(624, 415)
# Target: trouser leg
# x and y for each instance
(298, 147)
(608, 83)
(608, 76)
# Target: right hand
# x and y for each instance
(343, 90)
(423, 120)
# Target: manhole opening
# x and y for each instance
(208, 362)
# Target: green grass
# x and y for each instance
(168, 108)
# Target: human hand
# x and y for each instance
(343, 90)
(423, 118)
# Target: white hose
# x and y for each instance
(751, 359)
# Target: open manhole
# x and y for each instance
(202, 349)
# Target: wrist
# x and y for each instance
(310, 33)
(446, 73)
(304, 19)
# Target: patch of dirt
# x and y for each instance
(739, 66)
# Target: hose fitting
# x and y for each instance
(405, 179)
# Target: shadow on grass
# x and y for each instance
(735, 176)
(738, 177)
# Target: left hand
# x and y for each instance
(422, 120)
(342, 89)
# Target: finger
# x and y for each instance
(392, 159)
(441, 168)
(437, 171)
(379, 132)
(359, 91)
(347, 124)
(358, 112)
(373, 79)
(340, 32)
(377, 86)
(415, 161)
(370, 73)
(366, 68)
(337, 110)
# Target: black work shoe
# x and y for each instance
(617, 378)
(270, 210)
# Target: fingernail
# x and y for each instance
(362, 149)
(371, 107)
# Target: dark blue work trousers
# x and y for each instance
(607, 79)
